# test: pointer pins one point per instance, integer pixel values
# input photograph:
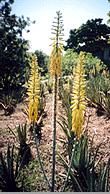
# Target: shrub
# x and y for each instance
(93, 65)
(69, 61)
(97, 91)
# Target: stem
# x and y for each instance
(54, 132)
(41, 165)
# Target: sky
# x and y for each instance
(74, 12)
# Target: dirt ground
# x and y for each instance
(99, 126)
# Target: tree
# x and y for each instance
(90, 37)
(43, 61)
(13, 50)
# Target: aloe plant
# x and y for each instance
(55, 72)
(97, 92)
(65, 120)
(9, 171)
(24, 150)
(83, 169)
(103, 180)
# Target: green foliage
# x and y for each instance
(13, 55)
(93, 65)
(31, 177)
(108, 14)
(8, 104)
(43, 61)
(83, 168)
(25, 155)
(14, 178)
(49, 85)
(98, 90)
(42, 101)
(65, 120)
(10, 99)
(24, 150)
(69, 61)
(90, 37)
(93, 90)
(84, 173)
(9, 171)
(65, 92)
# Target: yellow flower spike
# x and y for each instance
(33, 91)
(78, 97)
(57, 47)
(55, 62)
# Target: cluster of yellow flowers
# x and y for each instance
(55, 62)
(78, 93)
(78, 97)
(33, 91)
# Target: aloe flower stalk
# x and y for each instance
(78, 97)
(33, 91)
